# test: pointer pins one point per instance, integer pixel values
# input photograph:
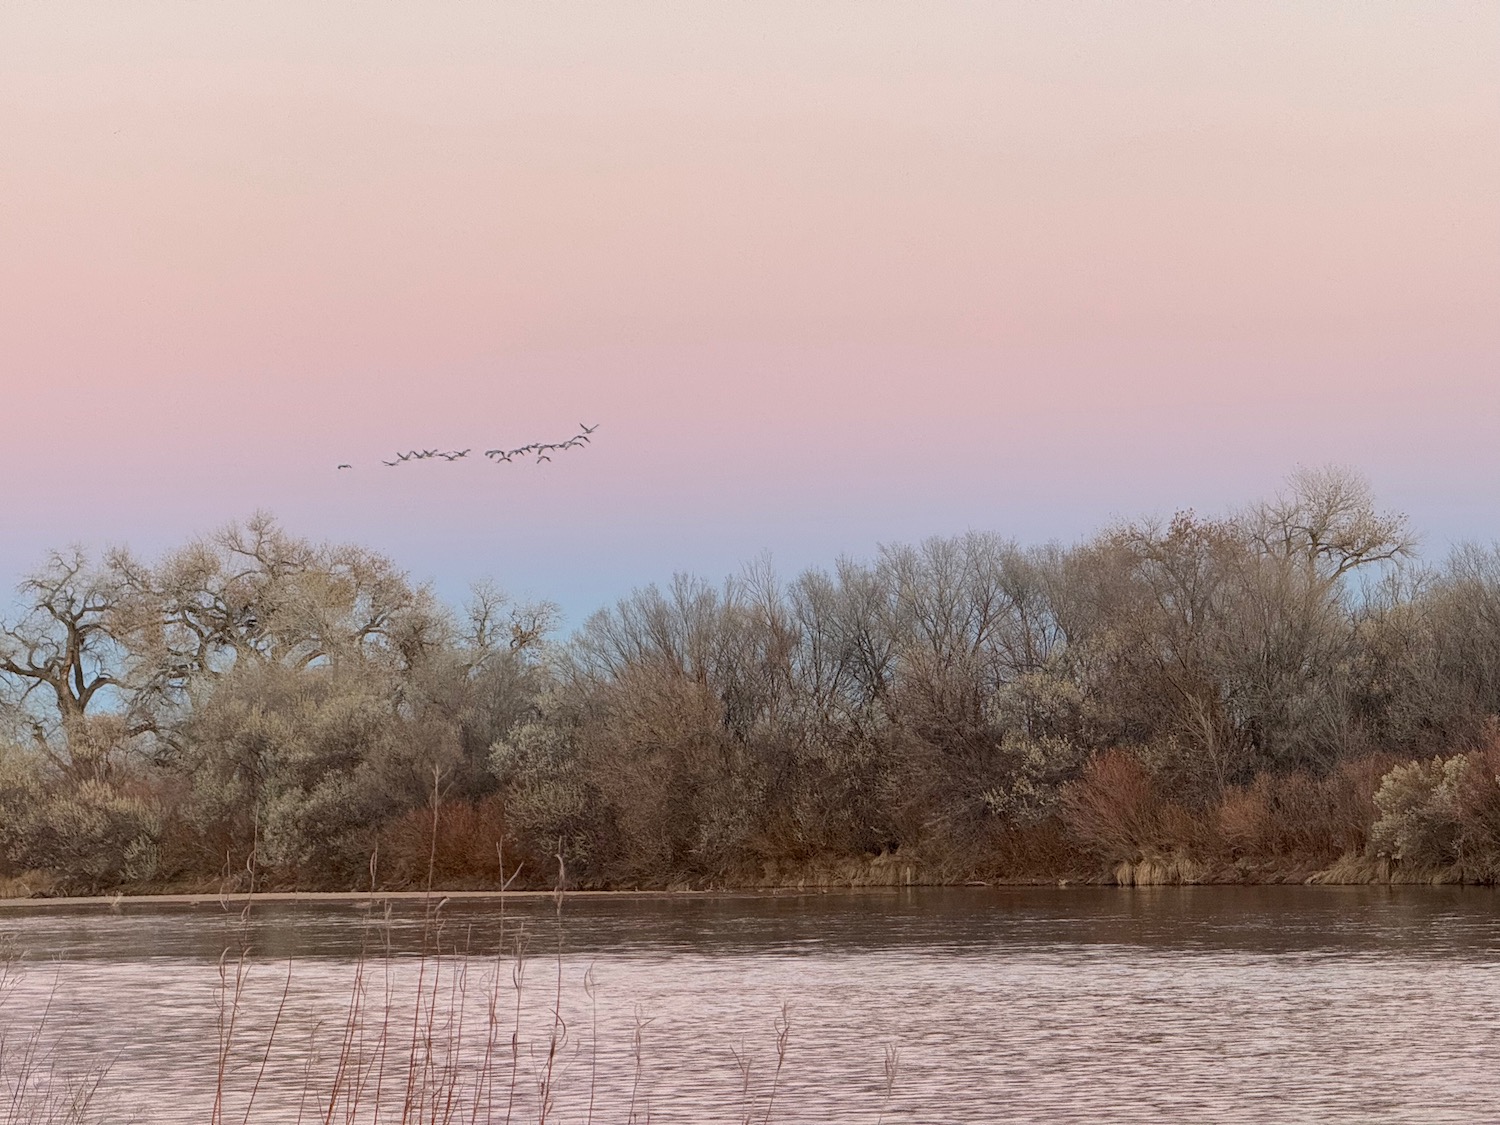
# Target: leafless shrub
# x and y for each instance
(1118, 810)
(1294, 816)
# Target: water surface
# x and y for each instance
(1190, 1004)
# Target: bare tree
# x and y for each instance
(1328, 517)
(62, 654)
(254, 594)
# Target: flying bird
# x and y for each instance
(540, 448)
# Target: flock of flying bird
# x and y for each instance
(542, 449)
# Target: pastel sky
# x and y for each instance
(825, 274)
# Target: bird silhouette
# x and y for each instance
(542, 450)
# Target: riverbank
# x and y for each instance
(878, 874)
(241, 900)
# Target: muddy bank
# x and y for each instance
(828, 874)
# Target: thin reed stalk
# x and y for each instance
(38, 1088)
(783, 1037)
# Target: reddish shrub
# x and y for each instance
(1478, 809)
(464, 853)
(1302, 817)
(1287, 815)
(1044, 850)
(1351, 800)
(1117, 812)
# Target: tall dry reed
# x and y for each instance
(37, 1086)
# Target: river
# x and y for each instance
(1172, 1004)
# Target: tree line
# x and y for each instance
(1278, 691)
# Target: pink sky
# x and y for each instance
(825, 274)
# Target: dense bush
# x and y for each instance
(1261, 691)
(1119, 811)
(1419, 811)
(1300, 816)
(1443, 811)
(93, 835)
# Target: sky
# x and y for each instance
(825, 275)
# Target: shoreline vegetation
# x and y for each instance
(1284, 693)
(1350, 872)
(835, 877)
